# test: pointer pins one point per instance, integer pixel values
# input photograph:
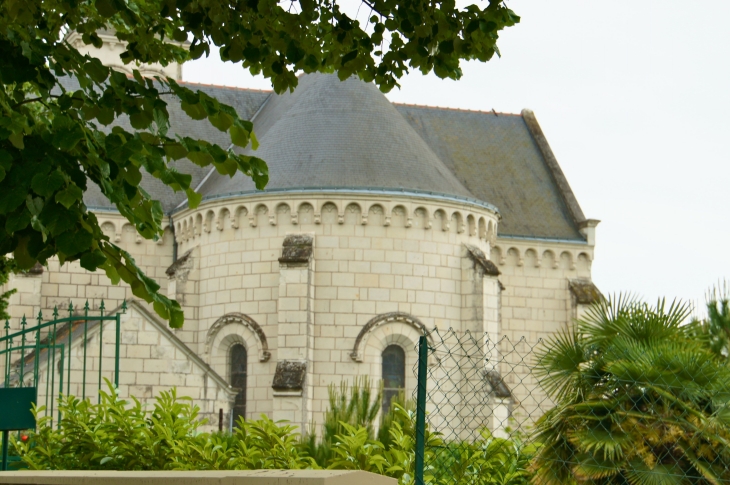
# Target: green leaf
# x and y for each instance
(34, 204)
(200, 158)
(106, 8)
(92, 260)
(196, 111)
(175, 151)
(194, 198)
(96, 70)
(17, 140)
(221, 120)
(17, 221)
(68, 196)
(239, 136)
(45, 185)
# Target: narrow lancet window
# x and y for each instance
(239, 361)
(394, 374)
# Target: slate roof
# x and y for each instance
(332, 134)
(245, 101)
(496, 157)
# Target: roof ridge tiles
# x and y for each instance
(234, 88)
(464, 110)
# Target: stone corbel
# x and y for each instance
(461, 228)
(340, 218)
(479, 258)
(446, 226)
(387, 221)
(317, 218)
(295, 218)
(252, 220)
(584, 291)
(138, 239)
(219, 223)
(272, 219)
(297, 249)
(289, 378)
(364, 219)
(409, 222)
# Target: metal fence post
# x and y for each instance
(6, 439)
(421, 408)
(118, 323)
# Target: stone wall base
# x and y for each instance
(235, 477)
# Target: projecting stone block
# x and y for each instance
(289, 376)
(297, 248)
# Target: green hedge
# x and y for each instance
(119, 434)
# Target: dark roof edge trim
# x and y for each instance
(321, 191)
(545, 239)
(552, 163)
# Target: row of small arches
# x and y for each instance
(336, 213)
(125, 233)
(536, 258)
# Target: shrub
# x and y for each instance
(117, 434)
(639, 400)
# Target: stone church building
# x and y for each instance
(380, 222)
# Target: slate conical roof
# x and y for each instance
(339, 135)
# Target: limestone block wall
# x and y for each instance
(66, 283)
(535, 304)
(381, 271)
(372, 256)
(109, 53)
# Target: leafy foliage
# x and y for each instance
(715, 329)
(348, 405)
(117, 434)
(54, 144)
(639, 400)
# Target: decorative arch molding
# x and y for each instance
(358, 350)
(246, 321)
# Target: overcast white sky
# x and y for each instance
(633, 97)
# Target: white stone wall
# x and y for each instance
(536, 303)
(72, 283)
(109, 53)
(373, 256)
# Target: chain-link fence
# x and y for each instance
(518, 412)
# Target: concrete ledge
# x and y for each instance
(235, 477)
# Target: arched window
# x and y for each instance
(239, 359)
(394, 374)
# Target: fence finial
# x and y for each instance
(86, 306)
(102, 307)
(124, 306)
(55, 312)
(70, 308)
